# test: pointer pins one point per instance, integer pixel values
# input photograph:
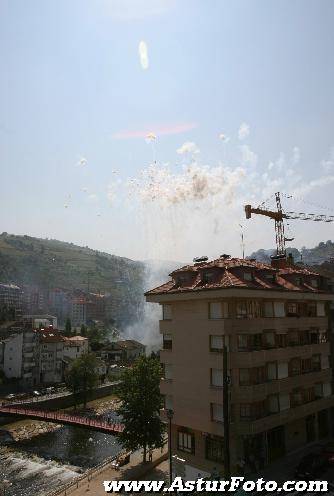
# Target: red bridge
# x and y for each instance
(63, 418)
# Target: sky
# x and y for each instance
(142, 128)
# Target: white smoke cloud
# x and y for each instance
(188, 147)
(143, 54)
(248, 157)
(295, 155)
(243, 131)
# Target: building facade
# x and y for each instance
(11, 297)
(273, 322)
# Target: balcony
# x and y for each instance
(247, 359)
(249, 426)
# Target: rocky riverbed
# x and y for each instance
(35, 456)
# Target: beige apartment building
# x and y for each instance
(273, 319)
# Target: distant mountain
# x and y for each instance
(48, 263)
(310, 256)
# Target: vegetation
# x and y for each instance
(140, 405)
(49, 263)
(82, 377)
(6, 313)
(68, 327)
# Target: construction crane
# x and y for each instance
(279, 217)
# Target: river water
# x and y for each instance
(38, 465)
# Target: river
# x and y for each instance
(38, 465)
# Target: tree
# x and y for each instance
(83, 330)
(96, 336)
(68, 327)
(140, 405)
(82, 376)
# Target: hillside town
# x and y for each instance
(37, 349)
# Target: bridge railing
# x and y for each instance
(114, 425)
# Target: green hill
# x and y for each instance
(49, 263)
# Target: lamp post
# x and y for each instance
(170, 414)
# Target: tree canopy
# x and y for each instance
(140, 406)
(82, 377)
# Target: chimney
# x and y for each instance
(278, 261)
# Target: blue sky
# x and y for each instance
(72, 85)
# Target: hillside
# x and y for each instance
(48, 263)
(310, 256)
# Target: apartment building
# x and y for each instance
(75, 346)
(51, 344)
(273, 321)
(19, 356)
(11, 297)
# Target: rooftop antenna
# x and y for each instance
(242, 241)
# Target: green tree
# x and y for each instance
(140, 405)
(68, 327)
(96, 336)
(83, 330)
(82, 376)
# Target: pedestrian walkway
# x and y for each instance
(92, 482)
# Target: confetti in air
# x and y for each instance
(82, 162)
(143, 55)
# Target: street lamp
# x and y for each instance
(170, 414)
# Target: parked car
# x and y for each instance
(10, 396)
(36, 393)
(311, 465)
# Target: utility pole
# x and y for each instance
(227, 468)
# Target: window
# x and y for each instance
(215, 310)
(245, 411)
(322, 336)
(293, 338)
(216, 343)
(167, 342)
(243, 342)
(306, 365)
(281, 340)
(244, 377)
(284, 401)
(324, 362)
(273, 403)
(208, 277)
(186, 441)
(241, 310)
(312, 309)
(217, 412)
(282, 370)
(269, 339)
(327, 389)
(316, 363)
(272, 371)
(214, 448)
(268, 309)
(167, 312)
(296, 397)
(294, 366)
(321, 309)
(318, 391)
(248, 276)
(314, 283)
(309, 394)
(292, 309)
(216, 377)
(168, 371)
(279, 309)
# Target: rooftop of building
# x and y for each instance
(50, 335)
(9, 286)
(229, 272)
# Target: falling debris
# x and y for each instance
(83, 161)
(150, 137)
(143, 55)
(243, 131)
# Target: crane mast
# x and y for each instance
(278, 216)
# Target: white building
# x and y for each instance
(75, 346)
